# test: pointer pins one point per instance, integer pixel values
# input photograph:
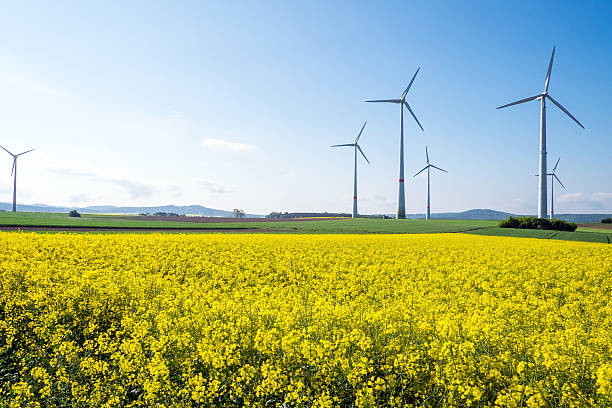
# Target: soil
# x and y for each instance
(598, 226)
(215, 219)
(128, 229)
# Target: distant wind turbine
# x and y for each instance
(542, 191)
(553, 176)
(401, 200)
(14, 174)
(429, 165)
(355, 147)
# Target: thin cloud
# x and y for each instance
(133, 188)
(30, 84)
(571, 197)
(600, 201)
(79, 198)
(224, 145)
(71, 172)
(603, 196)
(212, 186)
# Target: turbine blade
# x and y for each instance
(362, 153)
(564, 110)
(360, 132)
(25, 152)
(7, 151)
(410, 84)
(555, 176)
(387, 100)
(436, 167)
(549, 69)
(424, 168)
(426, 155)
(414, 116)
(531, 98)
(555, 168)
(342, 145)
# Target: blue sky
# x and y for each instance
(149, 103)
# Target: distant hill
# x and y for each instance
(475, 214)
(580, 218)
(486, 214)
(111, 209)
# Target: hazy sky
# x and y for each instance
(234, 105)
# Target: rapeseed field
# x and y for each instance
(303, 321)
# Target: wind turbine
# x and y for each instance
(355, 147)
(401, 201)
(553, 176)
(14, 174)
(429, 165)
(542, 191)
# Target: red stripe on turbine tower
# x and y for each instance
(401, 180)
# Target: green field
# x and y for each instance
(23, 219)
(599, 230)
(380, 226)
(334, 226)
(586, 236)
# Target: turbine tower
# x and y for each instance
(14, 174)
(429, 165)
(401, 201)
(355, 147)
(542, 191)
(553, 176)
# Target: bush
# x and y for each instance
(607, 220)
(510, 222)
(74, 213)
(538, 223)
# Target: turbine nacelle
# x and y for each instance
(356, 144)
(402, 100)
(428, 164)
(356, 147)
(14, 174)
(545, 94)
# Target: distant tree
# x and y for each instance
(74, 213)
(145, 214)
(607, 220)
(238, 213)
(538, 223)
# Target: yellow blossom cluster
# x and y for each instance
(132, 320)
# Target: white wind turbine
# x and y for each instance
(14, 174)
(553, 176)
(542, 191)
(401, 201)
(355, 147)
(429, 165)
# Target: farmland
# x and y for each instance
(108, 223)
(586, 235)
(305, 320)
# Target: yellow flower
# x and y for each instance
(303, 320)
